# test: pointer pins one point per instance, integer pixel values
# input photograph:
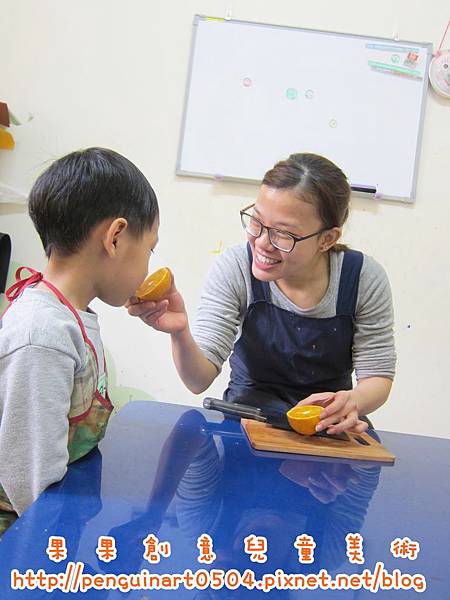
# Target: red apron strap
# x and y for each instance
(64, 301)
(36, 277)
(13, 292)
(17, 288)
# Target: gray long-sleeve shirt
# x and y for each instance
(41, 350)
(228, 292)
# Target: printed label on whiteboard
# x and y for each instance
(401, 61)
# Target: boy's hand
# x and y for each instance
(167, 315)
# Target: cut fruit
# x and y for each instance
(155, 286)
(303, 419)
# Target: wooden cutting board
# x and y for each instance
(358, 446)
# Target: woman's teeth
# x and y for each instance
(265, 260)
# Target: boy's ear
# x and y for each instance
(113, 234)
(329, 238)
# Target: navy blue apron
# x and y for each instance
(283, 357)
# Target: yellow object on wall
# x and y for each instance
(6, 140)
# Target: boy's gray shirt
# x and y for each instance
(227, 294)
(41, 349)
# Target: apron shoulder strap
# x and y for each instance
(260, 289)
(349, 283)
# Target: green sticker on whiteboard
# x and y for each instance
(291, 93)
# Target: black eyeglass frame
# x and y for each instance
(295, 238)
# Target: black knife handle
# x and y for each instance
(233, 408)
(217, 404)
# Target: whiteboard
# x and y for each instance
(257, 93)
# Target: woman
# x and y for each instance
(297, 311)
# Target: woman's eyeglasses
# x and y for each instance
(282, 240)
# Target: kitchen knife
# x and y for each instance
(278, 420)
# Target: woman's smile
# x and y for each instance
(264, 262)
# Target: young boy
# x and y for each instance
(98, 219)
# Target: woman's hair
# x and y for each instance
(80, 190)
(316, 180)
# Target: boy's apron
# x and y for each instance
(90, 406)
(283, 357)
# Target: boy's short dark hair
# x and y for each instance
(80, 190)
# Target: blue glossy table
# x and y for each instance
(179, 473)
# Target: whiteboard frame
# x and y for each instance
(426, 45)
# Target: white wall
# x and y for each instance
(110, 73)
